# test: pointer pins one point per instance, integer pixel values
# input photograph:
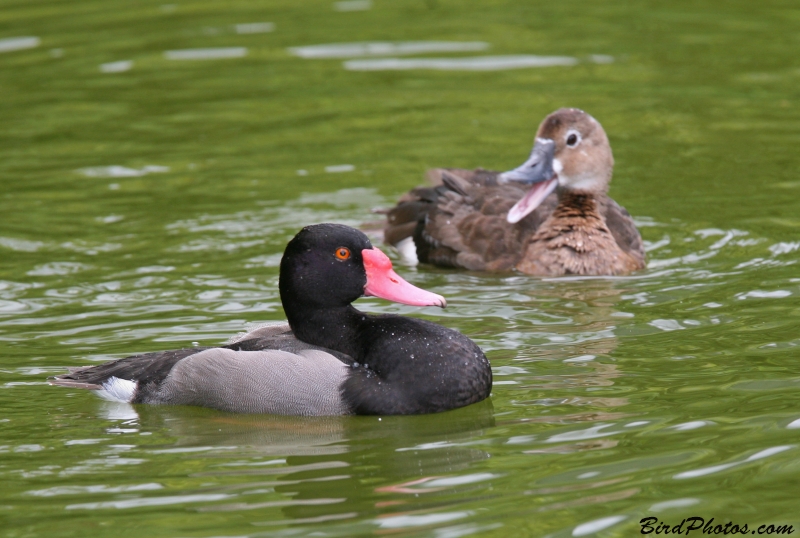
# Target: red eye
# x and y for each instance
(342, 253)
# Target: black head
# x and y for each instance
(323, 267)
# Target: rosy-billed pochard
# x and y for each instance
(550, 216)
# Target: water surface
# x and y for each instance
(156, 157)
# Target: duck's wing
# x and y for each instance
(146, 369)
(153, 368)
(461, 222)
(279, 337)
(416, 204)
(411, 209)
(267, 370)
(306, 383)
(621, 225)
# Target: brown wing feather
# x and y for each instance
(415, 205)
(462, 221)
(622, 227)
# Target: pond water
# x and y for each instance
(156, 157)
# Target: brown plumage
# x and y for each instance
(486, 221)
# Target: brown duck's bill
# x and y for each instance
(531, 200)
(537, 171)
(383, 282)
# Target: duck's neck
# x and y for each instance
(581, 204)
(334, 328)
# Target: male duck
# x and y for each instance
(330, 359)
(485, 221)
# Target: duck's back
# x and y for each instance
(461, 221)
(586, 234)
(264, 371)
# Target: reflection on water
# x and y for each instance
(206, 54)
(254, 27)
(339, 168)
(717, 468)
(116, 67)
(384, 48)
(10, 44)
(122, 171)
(353, 5)
(597, 525)
(266, 435)
(317, 476)
(476, 63)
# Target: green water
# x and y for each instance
(671, 393)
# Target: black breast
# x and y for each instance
(411, 366)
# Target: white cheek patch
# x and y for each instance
(583, 183)
(558, 168)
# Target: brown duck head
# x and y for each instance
(571, 151)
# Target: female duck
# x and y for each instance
(330, 359)
(485, 221)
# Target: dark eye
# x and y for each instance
(572, 139)
(342, 253)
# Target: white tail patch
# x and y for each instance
(117, 390)
(408, 251)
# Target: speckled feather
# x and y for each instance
(421, 366)
(576, 239)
